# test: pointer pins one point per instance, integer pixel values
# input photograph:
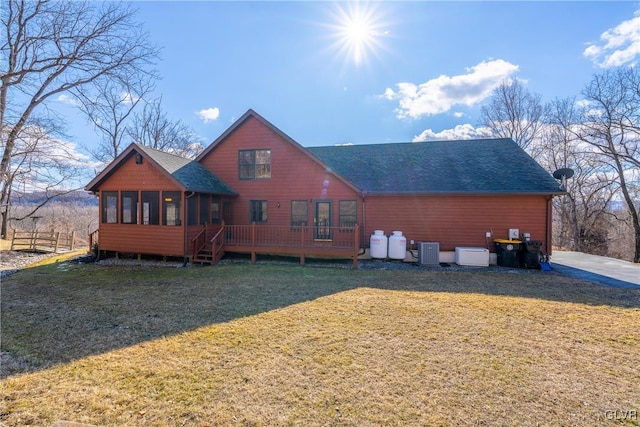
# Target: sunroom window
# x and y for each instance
(110, 207)
(129, 207)
(150, 207)
(171, 208)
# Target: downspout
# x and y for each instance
(185, 221)
(548, 226)
(97, 245)
(364, 221)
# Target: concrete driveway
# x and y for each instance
(598, 269)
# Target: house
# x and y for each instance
(256, 190)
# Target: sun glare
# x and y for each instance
(358, 31)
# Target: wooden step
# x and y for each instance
(206, 255)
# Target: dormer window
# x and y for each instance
(254, 164)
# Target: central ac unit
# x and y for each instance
(429, 253)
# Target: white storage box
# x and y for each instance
(474, 257)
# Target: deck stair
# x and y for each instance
(206, 255)
(208, 250)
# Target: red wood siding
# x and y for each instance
(294, 176)
(131, 176)
(142, 239)
(137, 238)
(457, 220)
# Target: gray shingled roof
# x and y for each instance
(466, 166)
(190, 174)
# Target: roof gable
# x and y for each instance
(250, 114)
(237, 124)
(463, 166)
(186, 173)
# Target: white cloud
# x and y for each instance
(581, 103)
(55, 163)
(465, 131)
(618, 46)
(439, 95)
(66, 99)
(210, 114)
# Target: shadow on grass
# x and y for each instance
(594, 277)
(59, 313)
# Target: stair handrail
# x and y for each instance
(200, 237)
(217, 245)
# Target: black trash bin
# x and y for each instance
(508, 252)
(530, 254)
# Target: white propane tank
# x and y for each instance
(397, 245)
(378, 245)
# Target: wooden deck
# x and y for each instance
(254, 239)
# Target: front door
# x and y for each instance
(322, 220)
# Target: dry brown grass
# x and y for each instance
(266, 345)
(5, 244)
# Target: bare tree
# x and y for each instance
(153, 129)
(621, 231)
(514, 112)
(52, 47)
(583, 212)
(611, 127)
(40, 164)
(109, 107)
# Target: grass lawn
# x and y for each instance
(269, 344)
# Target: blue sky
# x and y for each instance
(421, 68)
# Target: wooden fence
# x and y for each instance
(42, 241)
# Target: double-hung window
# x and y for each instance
(254, 164)
(299, 213)
(347, 215)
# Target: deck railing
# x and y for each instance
(93, 238)
(212, 241)
(302, 241)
